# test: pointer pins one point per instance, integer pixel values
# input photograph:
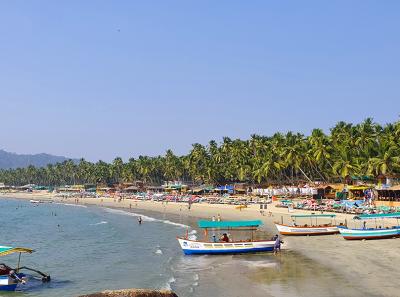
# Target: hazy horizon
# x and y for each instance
(100, 79)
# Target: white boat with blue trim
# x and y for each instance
(380, 232)
(226, 246)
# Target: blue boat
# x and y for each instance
(372, 233)
(191, 247)
(10, 278)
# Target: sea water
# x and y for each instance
(89, 249)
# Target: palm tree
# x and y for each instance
(345, 164)
(387, 160)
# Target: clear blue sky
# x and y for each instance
(99, 79)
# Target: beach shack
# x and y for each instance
(357, 191)
(240, 188)
(130, 189)
(328, 191)
(174, 187)
(4, 187)
(387, 180)
(227, 189)
(154, 189)
(201, 190)
(389, 196)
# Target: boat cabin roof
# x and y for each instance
(395, 215)
(228, 224)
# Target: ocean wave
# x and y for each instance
(99, 223)
(144, 217)
(158, 252)
(167, 286)
(70, 204)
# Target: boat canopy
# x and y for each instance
(6, 250)
(395, 215)
(314, 216)
(229, 224)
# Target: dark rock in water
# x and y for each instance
(133, 293)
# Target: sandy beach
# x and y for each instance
(372, 266)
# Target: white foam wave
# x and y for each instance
(69, 204)
(99, 223)
(159, 252)
(167, 286)
(144, 218)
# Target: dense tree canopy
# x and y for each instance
(363, 149)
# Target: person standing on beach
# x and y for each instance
(213, 218)
(219, 218)
(277, 245)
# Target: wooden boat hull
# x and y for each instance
(359, 234)
(302, 231)
(191, 247)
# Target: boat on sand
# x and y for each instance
(379, 232)
(314, 228)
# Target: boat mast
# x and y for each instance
(19, 261)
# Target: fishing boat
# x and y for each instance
(379, 232)
(228, 246)
(10, 278)
(314, 228)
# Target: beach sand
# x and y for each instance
(372, 266)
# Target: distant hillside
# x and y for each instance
(12, 160)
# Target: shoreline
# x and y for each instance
(371, 265)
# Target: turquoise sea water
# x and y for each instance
(88, 249)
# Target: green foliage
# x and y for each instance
(363, 149)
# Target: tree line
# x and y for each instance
(364, 149)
